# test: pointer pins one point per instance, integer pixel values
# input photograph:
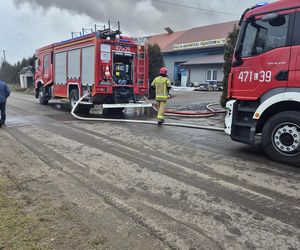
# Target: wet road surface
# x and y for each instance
(160, 187)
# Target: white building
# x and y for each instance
(26, 77)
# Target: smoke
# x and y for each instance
(143, 17)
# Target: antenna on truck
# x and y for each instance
(76, 34)
(86, 31)
(102, 27)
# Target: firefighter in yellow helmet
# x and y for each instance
(162, 86)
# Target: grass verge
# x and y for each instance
(17, 229)
(17, 88)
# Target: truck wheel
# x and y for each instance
(42, 96)
(281, 137)
(74, 97)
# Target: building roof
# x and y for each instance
(163, 40)
(207, 59)
(196, 38)
(26, 69)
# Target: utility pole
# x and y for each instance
(4, 57)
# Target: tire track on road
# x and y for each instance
(275, 172)
(213, 209)
(105, 191)
(259, 204)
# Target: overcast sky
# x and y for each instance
(29, 24)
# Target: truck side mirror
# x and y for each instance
(270, 17)
(274, 19)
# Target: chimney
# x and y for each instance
(169, 30)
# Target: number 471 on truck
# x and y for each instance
(264, 83)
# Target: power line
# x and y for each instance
(196, 8)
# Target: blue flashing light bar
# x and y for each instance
(123, 40)
(260, 4)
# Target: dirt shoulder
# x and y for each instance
(41, 208)
(30, 216)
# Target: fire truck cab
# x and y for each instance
(111, 67)
(264, 83)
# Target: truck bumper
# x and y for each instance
(229, 116)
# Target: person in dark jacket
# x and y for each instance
(4, 93)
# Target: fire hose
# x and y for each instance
(192, 114)
(138, 121)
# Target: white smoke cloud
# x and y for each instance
(146, 16)
(29, 24)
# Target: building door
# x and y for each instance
(184, 77)
(29, 81)
(177, 73)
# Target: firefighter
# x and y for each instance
(4, 93)
(162, 86)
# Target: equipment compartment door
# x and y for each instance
(60, 75)
(123, 68)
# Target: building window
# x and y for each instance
(212, 75)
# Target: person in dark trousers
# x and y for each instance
(4, 93)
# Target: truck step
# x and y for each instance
(243, 124)
(247, 109)
(241, 139)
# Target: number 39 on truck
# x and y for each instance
(264, 83)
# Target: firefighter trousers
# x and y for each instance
(161, 110)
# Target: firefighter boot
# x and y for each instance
(160, 122)
(161, 112)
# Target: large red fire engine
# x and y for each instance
(113, 68)
(264, 83)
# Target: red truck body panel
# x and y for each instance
(258, 73)
(83, 62)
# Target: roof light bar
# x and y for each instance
(260, 4)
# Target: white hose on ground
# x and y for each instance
(138, 121)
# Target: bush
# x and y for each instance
(228, 54)
(10, 73)
(156, 61)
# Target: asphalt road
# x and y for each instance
(149, 187)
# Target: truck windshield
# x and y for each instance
(261, 36)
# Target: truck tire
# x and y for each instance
(281, 137)
(74, 97)
(42, 96)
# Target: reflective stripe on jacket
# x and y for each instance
(161, 85)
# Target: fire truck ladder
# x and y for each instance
(141, 62)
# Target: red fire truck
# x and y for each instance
(264, 83)
(111, 67)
